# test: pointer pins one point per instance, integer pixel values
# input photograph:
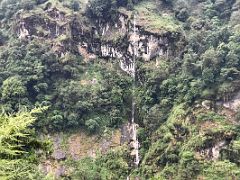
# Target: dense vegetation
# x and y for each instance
(175, 131)
(17, 145)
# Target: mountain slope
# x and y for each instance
(76, 57)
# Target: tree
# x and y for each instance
(221, 170)
(15, 148)
(208, 76)
(12, 129)
(101, 9)
(93, 124)
(13, 92)
(13, 87)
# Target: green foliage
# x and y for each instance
(188, 166)
(16, 145)
(95, 101)
(11, 133)
(112, 165)
(210, 116)
(94, 94)
(86, 168)
(19, 170)
(152, 21)
(101, 9)
(221, 170)
(13, 92)
(9, 7)
(92, 125)
(44, 79)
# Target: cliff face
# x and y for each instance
(51, 24)
(106, 40)
(187, 68)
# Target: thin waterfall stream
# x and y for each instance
(130, 68)
(133, 123)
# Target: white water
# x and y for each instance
(133, 124)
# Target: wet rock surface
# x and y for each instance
(129, 137)
(125, 133)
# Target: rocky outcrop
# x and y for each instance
(58, 152)
(76, 146)
(23, 32)
(234, 103)
(117, 40)
(213, 153)
(129, 137)
(207, 104)
(106, 40)
(53, 168)
(40, 27)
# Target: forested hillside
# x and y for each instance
(79, 77)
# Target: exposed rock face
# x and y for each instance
(207, 104)
(53, 167)
(81, 145)
(216, 150)
(213, 153)
(106, 40)
(115, 40)
(126, 133)
(233, 104)
(76, 146)
(58, 153)
(128, 136)
(52, 26)
(53, 164)
(23, 32)
(40, 27)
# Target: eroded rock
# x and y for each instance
(207, 104)
(119, 40)
(58, 152)
(233, 104)
(213, 153)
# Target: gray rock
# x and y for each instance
(59, 154)
(207, 104)
(60, 171)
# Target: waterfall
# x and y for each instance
(133, 124)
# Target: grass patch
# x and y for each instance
(149, 17)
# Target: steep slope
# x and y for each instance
(77, 58)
